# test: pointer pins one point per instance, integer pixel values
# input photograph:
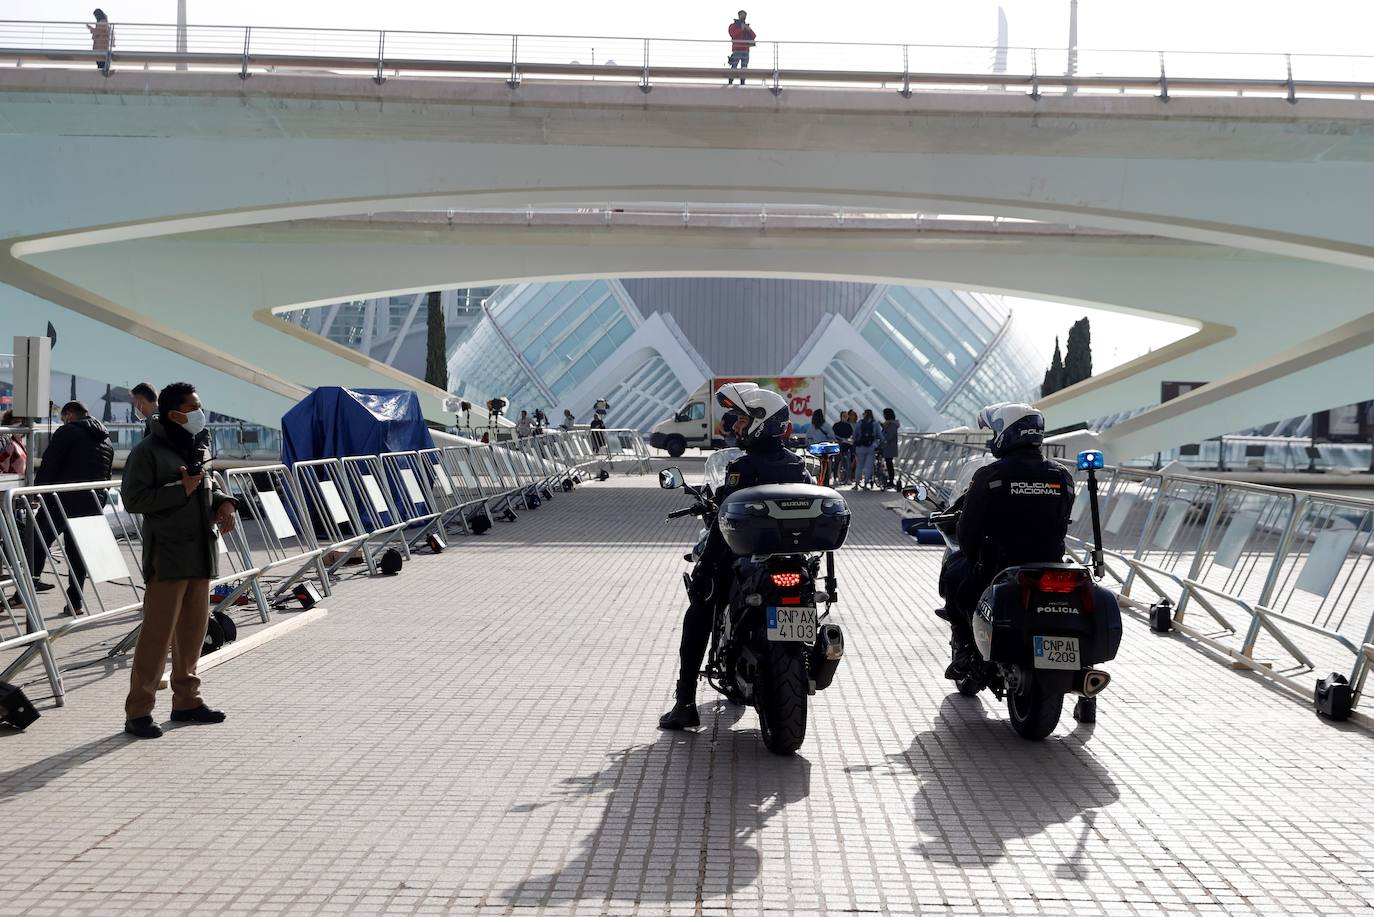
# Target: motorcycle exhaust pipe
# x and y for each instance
(1092, 682)
(826, 655)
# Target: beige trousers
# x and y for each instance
(176, 614)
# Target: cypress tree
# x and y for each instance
(436, 343)
(1054, 376)
(1078, 356)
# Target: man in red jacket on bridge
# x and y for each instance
(741, 40)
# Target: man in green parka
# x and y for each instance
(184, 516)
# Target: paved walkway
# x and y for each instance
(477, 736)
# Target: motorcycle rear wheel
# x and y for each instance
(782, 698)
(1034, 711)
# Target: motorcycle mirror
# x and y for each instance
(671, 478)
(920, 493)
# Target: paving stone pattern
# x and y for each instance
(478, 736)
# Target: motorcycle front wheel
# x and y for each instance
(1034, 711)
(782, 698)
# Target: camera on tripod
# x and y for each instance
(496, 406)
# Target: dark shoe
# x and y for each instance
(201, 714)
(40, 586)
(74, 596)
(682, 716)
(16, 601)
(143, 728)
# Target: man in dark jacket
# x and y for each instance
(1016, 511)
(184, 515)
(761, 427)
(79, 451)
(144, 398)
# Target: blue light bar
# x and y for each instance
(1090, 459)
(824, 448)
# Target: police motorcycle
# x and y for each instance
(1040, 629)
(772, 646)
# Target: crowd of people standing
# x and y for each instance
(868, 447)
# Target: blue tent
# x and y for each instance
(333, 422)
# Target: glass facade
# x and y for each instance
(645, 397)
(543, 345)
(538, 342)
(1005, 371)
(846, 388)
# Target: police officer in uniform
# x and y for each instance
(1015, 511)
(761, 427)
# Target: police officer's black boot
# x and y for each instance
(684, 713)
(962, 663)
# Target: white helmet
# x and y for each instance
(765, 410)
(1013, 425)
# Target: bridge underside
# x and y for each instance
(496, 748)
(1266, 213)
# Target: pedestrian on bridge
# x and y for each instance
(889, 446)
(741, 42)
(184, 516)
(102, 38)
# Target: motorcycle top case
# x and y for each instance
(783, 519)
(1013, 611)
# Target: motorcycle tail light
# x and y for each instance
(1060, 580)
(787, 580)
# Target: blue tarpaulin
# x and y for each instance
(334, 422)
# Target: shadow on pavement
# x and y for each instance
(982, 787)
(39, 774)
(663, 802)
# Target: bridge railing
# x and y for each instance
(305, 522)
(904, 68)
(1280, 581)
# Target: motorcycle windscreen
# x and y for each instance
(716, 465)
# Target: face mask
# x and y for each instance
(195, 421)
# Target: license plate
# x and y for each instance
(792, 625)
(1057, 653)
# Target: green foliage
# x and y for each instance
(436, 343)
(1076, 363)
(1078, 356)
(1054, 376)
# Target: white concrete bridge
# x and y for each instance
(184, 208)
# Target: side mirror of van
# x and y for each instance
(671, 478)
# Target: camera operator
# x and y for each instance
(742, 39)
(184, 515)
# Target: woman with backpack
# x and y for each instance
(866, 439)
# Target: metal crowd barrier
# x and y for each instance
(376, 508)
(299, 523)
(1277, 580)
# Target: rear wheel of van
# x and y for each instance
(675, 445)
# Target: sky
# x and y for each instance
(1319, 27)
